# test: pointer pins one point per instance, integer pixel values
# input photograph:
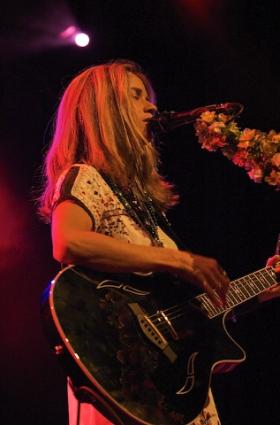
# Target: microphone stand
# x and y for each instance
(167, 121)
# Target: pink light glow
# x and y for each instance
(68, 32)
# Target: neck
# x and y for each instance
(240, 291)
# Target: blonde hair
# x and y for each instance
(94, 125)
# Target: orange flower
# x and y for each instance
(216, 126)
(215, 142)
(255, 151)
(224, 117)
(208, 116)
(247, 134)
(273, 179)
(275, 160)
(276, 138)
(244, 144)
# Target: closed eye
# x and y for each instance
(136, 93)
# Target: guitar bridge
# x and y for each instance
(152, 332)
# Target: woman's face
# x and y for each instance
(142, 108)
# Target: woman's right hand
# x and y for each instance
(207, 274)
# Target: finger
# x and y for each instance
(270, 293)
(223, 277)
(274, 288)
(272, 261)
(206, 286)
(215, 289)
(218, 281)
(214, 297)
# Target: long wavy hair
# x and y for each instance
(94, 125)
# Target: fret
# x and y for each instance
(247, 287)
(259, 283)
(252, 286)
(229, 300)
(269, 279)
(238, 293)
(207, 304)
(218, 310)
(233, 295)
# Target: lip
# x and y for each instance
(148, 119)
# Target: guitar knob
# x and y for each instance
(58, 350)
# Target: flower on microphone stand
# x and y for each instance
(254, 150)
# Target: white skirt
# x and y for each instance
(88, 415)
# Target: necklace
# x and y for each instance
(143, 212)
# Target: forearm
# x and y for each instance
(105, 253)
(75, 243)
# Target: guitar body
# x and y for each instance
(110, 336)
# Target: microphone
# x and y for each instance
(167, 121)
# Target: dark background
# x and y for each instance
(196, 52)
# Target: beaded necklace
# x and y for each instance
(144, 213)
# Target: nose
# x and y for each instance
(150, 107)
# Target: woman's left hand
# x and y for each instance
(274, 290)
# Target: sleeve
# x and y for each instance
(83, 185)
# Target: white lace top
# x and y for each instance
(85, 186)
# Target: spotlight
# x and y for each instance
(81, 39)
(72, 34)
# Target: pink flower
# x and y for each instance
(240, 158)
(256, 174)
(215, 142)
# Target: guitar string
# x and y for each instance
(164, 324)
(235, 286)
(256, 277)
(232, 284)
(235, 290)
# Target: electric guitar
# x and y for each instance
(145, 345)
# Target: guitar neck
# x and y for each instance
(240, 291)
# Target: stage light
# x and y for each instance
(81, 39)
(72, 35)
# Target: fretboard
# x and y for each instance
(240, 290)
